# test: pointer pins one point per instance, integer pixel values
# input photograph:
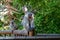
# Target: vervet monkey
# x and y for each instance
(12, 24)
(7, 9)
(28, 19)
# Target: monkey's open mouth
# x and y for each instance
(29, 17)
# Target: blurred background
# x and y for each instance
(46, 15)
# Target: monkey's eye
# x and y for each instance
(29, 14)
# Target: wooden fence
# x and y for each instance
(27, 37)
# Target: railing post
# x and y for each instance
(31, 32)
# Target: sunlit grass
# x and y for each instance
(1, 28)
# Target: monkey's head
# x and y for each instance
(29, 16)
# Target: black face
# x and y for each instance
(29, 16)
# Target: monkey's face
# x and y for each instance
(30, 16)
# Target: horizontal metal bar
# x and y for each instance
(31, 37)
(48, 34)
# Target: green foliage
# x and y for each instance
(47, 15)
